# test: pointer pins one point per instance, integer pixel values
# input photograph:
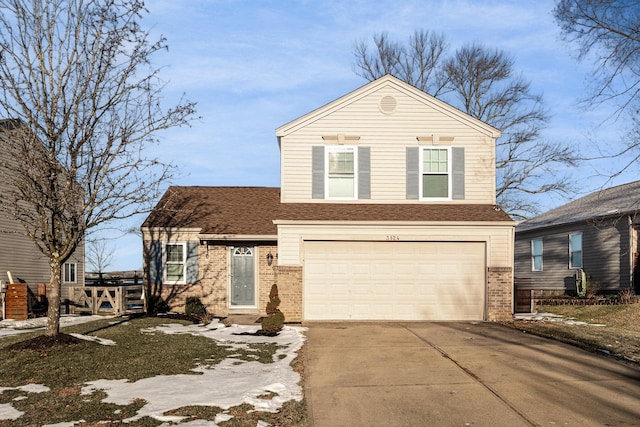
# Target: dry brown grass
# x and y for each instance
(619, 337)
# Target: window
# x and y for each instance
(175, 259)
(435, 167)
(69, 272)
(575, 250)
(341, 172)
(536, 255)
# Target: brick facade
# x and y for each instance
(214, 281)
(289, 281)
(499, 293)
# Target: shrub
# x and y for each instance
(194, 306)
(157, 305)
(273, 323)
(275, 318)
(625, 295)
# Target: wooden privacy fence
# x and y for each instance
(117, 300)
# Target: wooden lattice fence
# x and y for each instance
(115, 300)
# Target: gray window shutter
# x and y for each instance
(413, 169)
(457, 170)
(154, 262)
(364, 172)
(192, 263)
(317, 171)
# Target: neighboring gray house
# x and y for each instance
(597, 233)
(18, 254)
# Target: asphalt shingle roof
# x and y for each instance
(252, 210)
(614, 201)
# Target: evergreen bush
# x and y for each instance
(275, 318)
(194, 306)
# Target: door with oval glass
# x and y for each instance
(243, 276)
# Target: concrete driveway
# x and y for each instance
(460, 374)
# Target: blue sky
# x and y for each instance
(252, 66)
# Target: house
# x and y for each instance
(597, 234)
(386, 211)
(18, 254)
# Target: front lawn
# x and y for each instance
(151, 370)
(620, 335)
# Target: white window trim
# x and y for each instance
(449, 173)
(340, 148)
(533, 264)
(571, 266)
(75, 272)
(184, 263)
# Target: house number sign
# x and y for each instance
(393, 237)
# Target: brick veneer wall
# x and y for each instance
(289, 281)
(213, 281)
(499, 293)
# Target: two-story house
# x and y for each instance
(386, 211)
(19, 256)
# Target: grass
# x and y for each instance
(138, 354)
(620, 336)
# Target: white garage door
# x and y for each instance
(394, 281)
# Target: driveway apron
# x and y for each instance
(460, 374)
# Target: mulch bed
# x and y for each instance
(42, 342)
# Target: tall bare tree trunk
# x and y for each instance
(53, 297)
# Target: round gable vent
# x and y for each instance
(388, 104)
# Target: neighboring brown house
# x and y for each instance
(386, 211)
(597, 233)
(19, 255)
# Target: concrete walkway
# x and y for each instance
(460, 374)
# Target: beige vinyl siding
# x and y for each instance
(498, 237)
(388, 136)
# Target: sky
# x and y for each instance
(252, 66)
(237, 381)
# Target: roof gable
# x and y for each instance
(398, 85)
(615, 201)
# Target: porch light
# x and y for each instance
(269, 259)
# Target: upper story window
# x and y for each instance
(341, 172)
(575, 250)
(175, 260)
(435, 173)
(536, 255)
(69, 272)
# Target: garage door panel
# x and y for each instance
(394, 281)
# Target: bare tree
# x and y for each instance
(482, 82)
(610, 30)
(608, 33)
(417, 63)
(99, 255)
(77, 77)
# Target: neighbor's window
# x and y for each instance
(575, 250)
(341, 172)
(69, 272)
(175, 259)
(435, 167)
(536, 255)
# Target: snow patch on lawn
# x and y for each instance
(230, 383)
(8, 412)
(102, 341)
(14, 327)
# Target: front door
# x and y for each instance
(243, 283)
